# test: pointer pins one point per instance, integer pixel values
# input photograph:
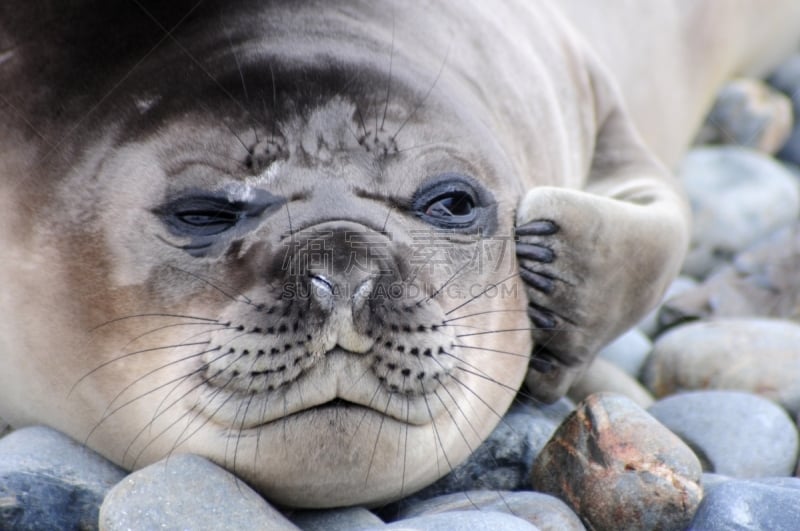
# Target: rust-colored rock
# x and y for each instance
(619, 468)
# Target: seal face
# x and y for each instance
(285, 262)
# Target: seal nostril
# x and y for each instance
(322, 282)
(322, 290)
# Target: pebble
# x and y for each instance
(762, 281)
(546, 512)
(651, 324)
(604, 376)
(619, 468)
(786, 78)
(628, 352)
(737, 197)
(741, 435)
(748, 505)
(49, 481)
(346, 519)
(467, 520)
(504, 460)
(760, 356)
(187, 492)
(748, 112)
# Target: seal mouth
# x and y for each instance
(342, 382)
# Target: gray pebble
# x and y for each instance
(748, 112)
(603, 376)
(466, 520)
(504, 460)
(738, 434)
(346, 519)
(754, 355)
(737, 197)
(187, 492)
(49, 481)
(628, 352)
(748, 505)
(546, 512)
(650, 324)
(762, 281)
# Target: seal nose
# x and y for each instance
(325, 291)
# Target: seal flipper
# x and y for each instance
(595, 261)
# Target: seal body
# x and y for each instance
(320, 242)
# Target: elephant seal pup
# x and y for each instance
(317, 242)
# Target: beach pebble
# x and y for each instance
(467, 520)
(738, 434)
(546, 512)
(49, 481)
(762, 281)
(346, 519)
(737, 196)
(628, 352)
(749, 113)
(187, 492)
(604, 376)
(618, 468)
(760, 356)
(748, 506)
(651, 324)
(504, 460)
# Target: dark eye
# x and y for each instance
(204, 216)
(451, 202)
(451, 205)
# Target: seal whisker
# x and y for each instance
(128, 354)
(143, 315)
(389, 81)
(487, 312)
(496, 351)
(377, 439)
(421, 102)
(108, 412)
(244, 299)
(482, 293)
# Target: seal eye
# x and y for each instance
(451, 205)
(204, 216)
(451, 201)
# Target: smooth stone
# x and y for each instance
(187, 492)
(49, 481)
(467, 520)
(737, 196)
(748, 505)
(604, 376)
(748, 112)
(710, 480)
(650, 325)
(759, 356)
(786, 78)
(740, 435)
(346, 519)
(546, 512)
(619, 468)
(503, 461)
(790, 152)
(763, 281)
(628, 352)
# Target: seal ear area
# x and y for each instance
(211, 220)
